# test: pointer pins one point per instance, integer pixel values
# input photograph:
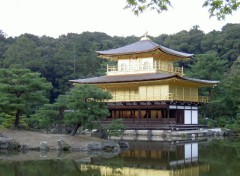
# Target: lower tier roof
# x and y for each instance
(139, 78)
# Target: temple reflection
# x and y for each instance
(150, 159)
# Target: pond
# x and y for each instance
(147, 158)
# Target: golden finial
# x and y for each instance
(144, 37)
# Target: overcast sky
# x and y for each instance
(57, 17)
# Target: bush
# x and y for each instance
(115, 128)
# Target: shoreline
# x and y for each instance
(32, 140)
(83, 147)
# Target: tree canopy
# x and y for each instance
(21, 92)
(218, 8)
(72, 56)
(85, 103)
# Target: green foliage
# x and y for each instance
(21, 92)
(44, 117)
(232, 88)
(23, 54)
(85, 103)
(73, 56)
(186, 41)
(227, 42)
(221, 8)
(218, 8)
(207, 66)
(51, 114)
(115, 128)
(7, 121)
(139, 6)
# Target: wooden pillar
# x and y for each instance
(111, 114)
(168, 113)
(115, 114)
(140, 114)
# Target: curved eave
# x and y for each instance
(139, 48)
(126, 53)
(175, 53)
(123, 79)
(143, 78)
(201, 82)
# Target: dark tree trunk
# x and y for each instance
(74, 131)
(17, 118)
(60, 117)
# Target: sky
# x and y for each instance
(58, 17)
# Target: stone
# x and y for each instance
(23, 148)
(99, 133)
(94, 146)
(123, 145)
(110, 146)
(44, 145)
(228, 133)
(8, 143)
(62, 145)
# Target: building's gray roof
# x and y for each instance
(142, 46)
(137, 78)
(201, 80)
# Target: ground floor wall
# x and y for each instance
(165, 114)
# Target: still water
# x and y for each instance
(143, 158)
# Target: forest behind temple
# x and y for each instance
(72, 56)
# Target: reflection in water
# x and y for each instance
(215, 158)
(39, 168)
(150, 159)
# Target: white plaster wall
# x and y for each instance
(191, 151)
(148, 59)
(187, 116)
(123, 61)
(195, 117)
(187, 151)
(195, 150)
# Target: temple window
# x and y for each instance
(123, 67)
(146, 65)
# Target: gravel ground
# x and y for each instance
(33, 139)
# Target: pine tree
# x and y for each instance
(21, 92)
(86, 104)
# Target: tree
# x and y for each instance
(52, 114)
(21, 92)
(218, 8)
(209, 67)
(232, 88)
(44, 117)
(86, 104)
(23, 53)
(227, 43)
(115, 128)
(3, 44)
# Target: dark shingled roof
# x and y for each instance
(142, 46)
(137, 78)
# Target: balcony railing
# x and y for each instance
(128, 69)
(153, 97)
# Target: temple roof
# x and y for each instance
(138, 78)
(141, 46)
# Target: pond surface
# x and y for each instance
(147, 158)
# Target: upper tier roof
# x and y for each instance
(142, 46)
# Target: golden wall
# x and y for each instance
(153, 91)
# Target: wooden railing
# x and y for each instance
(151, 123)
(153, 97)
(112, 70)
(144, 123)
